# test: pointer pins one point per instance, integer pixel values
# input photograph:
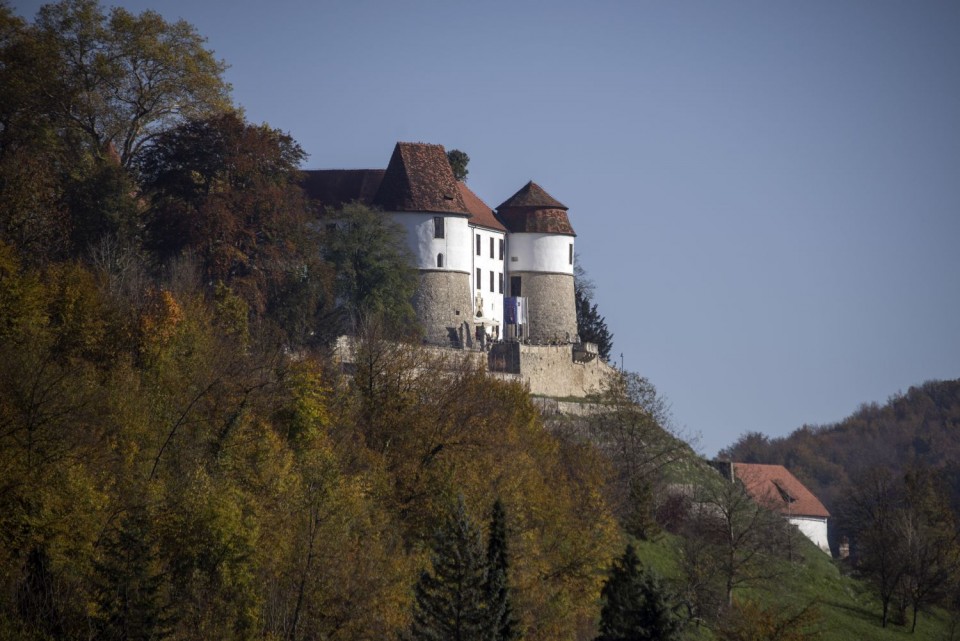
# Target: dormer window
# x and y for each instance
(438, 226)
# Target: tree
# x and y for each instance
(504, 624)
(450, 602)
(636, 606)
(458, 163)
(375, 278)
(927, 530)
(870, 514)
(737, 534)
(123, 78)
(591, 326)
(635, 432)
(228, 192)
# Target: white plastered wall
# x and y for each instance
(548, 253)
(488, 263)
(455, 244)
(813, 528)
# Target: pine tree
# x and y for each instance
(635, 604)
(505, 627)
(450, 602)
(591, 326)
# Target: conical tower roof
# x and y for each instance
(532, 209)
(419, 178)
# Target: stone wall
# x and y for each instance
(549, 370)
(443, 307)
(551, 308)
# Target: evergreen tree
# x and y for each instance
(458, 163)
(505, 626)
(635, 604)
(450, 602)
(591, 326)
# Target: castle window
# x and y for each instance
(491, 247)
(438, 226)
(478, 244)
(501, 249)
(439, 260)
(571, 253)
(501, 284)
(478, 282)
(491, 282)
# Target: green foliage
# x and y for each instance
(375, 278)
(498, 593)
(636, 605)
(458, 163)
(451, 599)
(591, 326)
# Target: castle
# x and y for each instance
(483, 275)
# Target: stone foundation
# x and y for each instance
(551, 307)
(443, 307)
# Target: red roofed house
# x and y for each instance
(775, 487)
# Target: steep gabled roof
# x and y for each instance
(533, 210)
(775, 487)
(334, 187)
(480, 213)
(419, 178)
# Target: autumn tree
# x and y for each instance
(125, 78)
(227, 192)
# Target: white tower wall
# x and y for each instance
(419, 228)
(539, 252)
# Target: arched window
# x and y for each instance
(439, 260)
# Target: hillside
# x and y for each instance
(919, 428)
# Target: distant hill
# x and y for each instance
(918, 428)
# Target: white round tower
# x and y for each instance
(540, 263)
(420, 193)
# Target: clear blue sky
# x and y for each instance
(766, 193)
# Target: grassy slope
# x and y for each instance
(848, 609)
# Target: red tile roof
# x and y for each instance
(480, 213)
(334, 187)
(775, 486)
(534, 210)
(419, 178)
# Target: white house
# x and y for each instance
(775, 487)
